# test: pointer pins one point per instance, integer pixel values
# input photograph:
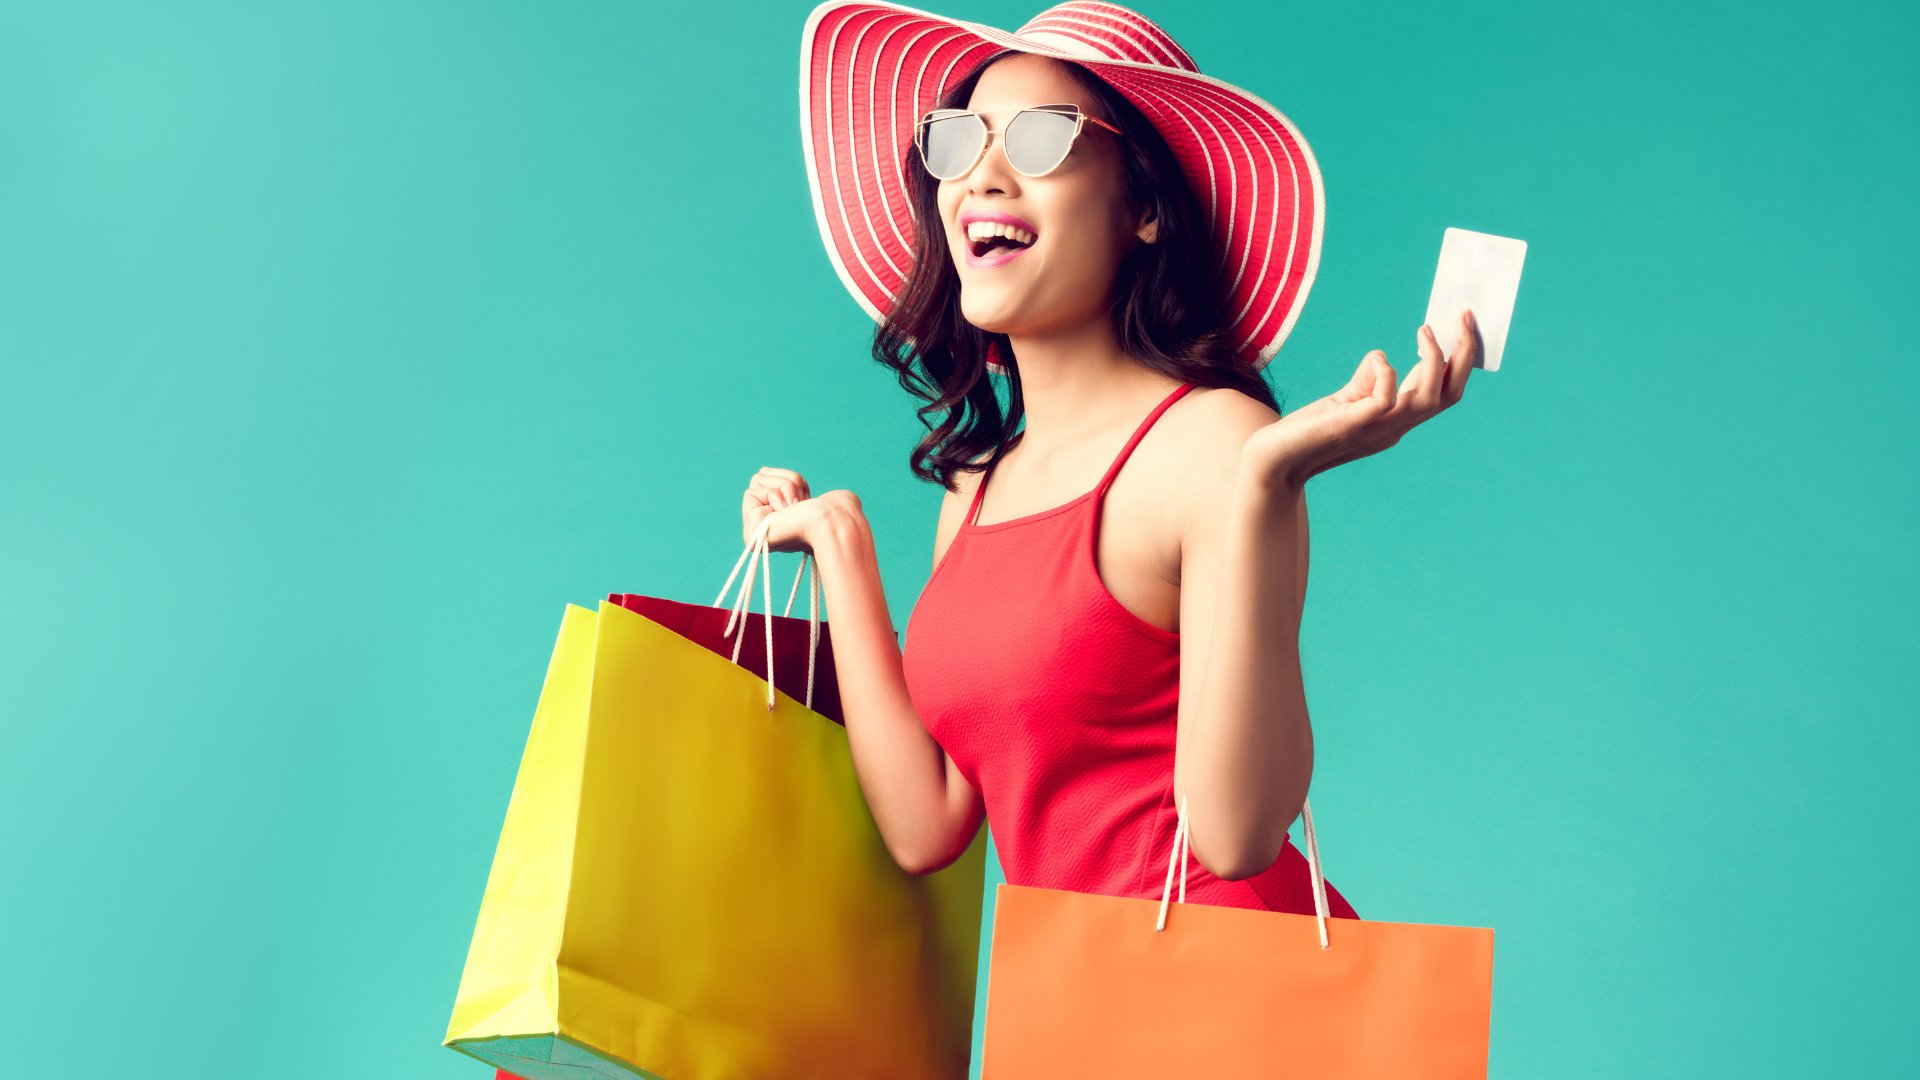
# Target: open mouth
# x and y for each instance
(996, 242)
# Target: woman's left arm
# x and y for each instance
(1245, 746)
(1245, 749)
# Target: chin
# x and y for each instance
(997, 311)
(992, 326)
(992, 321)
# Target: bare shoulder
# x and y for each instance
(1212, 420)
(1202, 434)
(1205, 431)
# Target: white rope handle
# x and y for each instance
(1178, 861)
(809, 567)
(757, 545)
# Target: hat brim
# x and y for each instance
(869, 70)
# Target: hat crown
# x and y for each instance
(1097, 31)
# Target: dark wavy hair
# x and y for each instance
(1169, 302)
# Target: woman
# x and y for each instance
(1056, 238)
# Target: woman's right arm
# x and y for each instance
(926, 811)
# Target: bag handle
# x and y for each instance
(757, 545)
(1179, 859)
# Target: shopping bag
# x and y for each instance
(1086, 985)
(706, 626)
(689, 883)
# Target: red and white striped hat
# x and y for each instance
(869, 70)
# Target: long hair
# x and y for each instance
(1169, 302)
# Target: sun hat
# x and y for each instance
(869, 70)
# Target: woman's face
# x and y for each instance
(1077, 213)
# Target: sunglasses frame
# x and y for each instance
(1062, 109)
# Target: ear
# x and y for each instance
(1149, 228)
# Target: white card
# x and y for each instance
(1482, 272)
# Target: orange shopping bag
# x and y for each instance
(1087, 985)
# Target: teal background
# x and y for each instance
(343, 344)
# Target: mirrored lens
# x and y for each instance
(1038, 141)
(951, 143)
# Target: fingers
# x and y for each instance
(771, 490)
(1440, 379)
(772, 495)
(1466, 353)
(1371, 379)
(1421, 391)
(1385, 389)
(783, 474)
(779, 488)
(1355, 430)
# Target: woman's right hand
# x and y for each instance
(783, 494)
(926, 811)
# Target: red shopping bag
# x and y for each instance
(799, 649)
(706, 627)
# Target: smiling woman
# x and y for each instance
(1075, 210)
(1115, 224)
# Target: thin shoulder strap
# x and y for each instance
(1140, 432)
(980, 488)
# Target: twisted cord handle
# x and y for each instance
(757, 545)
(1177, 862)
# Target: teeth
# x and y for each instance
(984, 230)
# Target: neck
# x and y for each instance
(1075, 383)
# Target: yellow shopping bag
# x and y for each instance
(689, 884)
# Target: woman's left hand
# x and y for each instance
(1367, 415)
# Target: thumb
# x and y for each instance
(1383, 388)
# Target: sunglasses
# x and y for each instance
(1036, 140)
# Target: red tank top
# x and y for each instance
(1058, 704)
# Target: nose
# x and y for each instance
(993, 172)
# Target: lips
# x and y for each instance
(994, 239)
(998, 257)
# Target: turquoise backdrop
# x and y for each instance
(343, 344)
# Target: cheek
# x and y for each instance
(947, 202)
(1090, 246)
